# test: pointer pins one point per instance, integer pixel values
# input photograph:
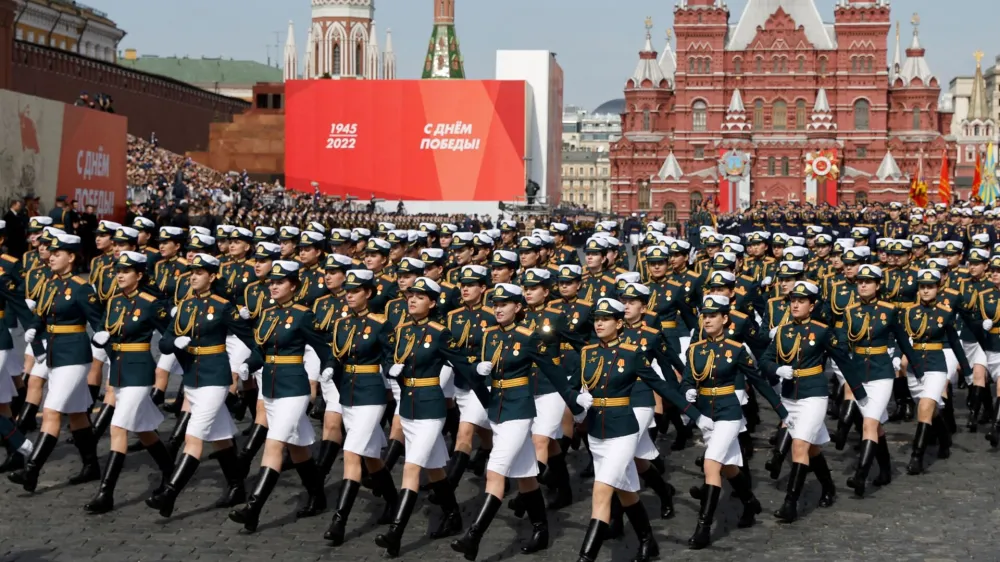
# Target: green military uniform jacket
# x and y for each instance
(396, 312)
(713, 367)
(932, 328)
(580, 328)
(166, 272)
(870, 328)
(131, 320)
(13, 309)
(31, 260)
(596, 287)
(153, 257)
(362, 347)
(313, 281)
(517, 354)
(468, 326)
(98, 263)
(653, 345)
(423, 347)
(385, 290)
(67, 304)
(804, 346)
(567, 255)
(281, 337)
(552, 328)
(609, 371)
(256, 298)
(207, 319)
(236, 275)
(329, 308)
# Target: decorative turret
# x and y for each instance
(822, 118)
(389, 58)
(291, 69)
(736, 115)
(648, 73)
(668, 61)
(897, 61)
(373, 68)
(888, 170)
(916, 67)
(444, 59)
(671, 169)
(978, 106)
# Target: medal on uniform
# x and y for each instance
(368, 330)
(517, 347)
(211, 311)
(427, 342)
(621, 365)
(69, 293)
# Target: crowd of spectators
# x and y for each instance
(99, 101)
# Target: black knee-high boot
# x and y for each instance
(778, 454)
(940, 426)
(821, 469)
(328, 451)
(95, 392)
(616, 524)
(665, 492)
(559, 476)
(751, 506)
(27, 420)
(789, 510)
(27, 477)
(175, 406)
(383, 487)
(703, 531)
(258, 435)
(86, 444)
(104, 501)
(884, 466)
(176, 441)
(975, 407)
(249, 515)
(592, 541)
(916, 465)
(993, 435)
(235, 493)
(103, 420)
(451, 523)
(477, 464)
(684, 433)
(312, 481)
(392, 454)
(391, 539)
(648, 549)
(164, 502)
(468, 544)
(460, 461)
(987, 401)
(161, 456)
(345, 502)
(848, 411)
(901, 395)
(860, 477)
(949, 410)
(534, 504)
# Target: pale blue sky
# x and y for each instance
(597, 42)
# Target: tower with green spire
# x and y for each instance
(444, 58)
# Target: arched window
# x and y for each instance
(822, 65)
(770, 166)
(359, 59)
(970, 154)
(861, 117)
(691, 68)
(916, 119)
(776, 64)
(785, 168)
(645, 195)
(861, 198)
(670, 215)
(699, 116)
(336, 60)
(645, 120)
(854, 64)
(758, 115)
(695, 200)
(802, 64)
(800, 115)
(758, 65)
(975, 130)
(708, 66)
(737, 66)
(779, 116)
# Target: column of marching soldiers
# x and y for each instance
(499, 353)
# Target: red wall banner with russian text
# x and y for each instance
(92, 163)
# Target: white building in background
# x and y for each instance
(70, 26)
(586, 168)
(343, 42)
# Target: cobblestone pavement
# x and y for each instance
(949, 513)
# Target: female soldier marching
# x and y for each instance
(797, 356)
(281, 336)
(131, 317)
(362, 348)
(713, 366)
(509, 353)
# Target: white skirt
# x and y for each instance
(513, 453)
(952, 365)
(135, 411)
(722, 442)
(832, 367)
(238, 353)
(685, 342)
(287, 421)
(424, 443)
(67, 390)
(548, 415)
(645, 449)
(210, 420)
(15, 359)
(614, 462)
(975, 354)
(808, 417)
(931, 386)
(331, 396)
(993, 365)
(447, 377)
(396, 393)
(471, 409)
(879, 394)
(311, 363)
(364, 434)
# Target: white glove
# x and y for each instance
(29, 335)
(31, 306)
(786, 372)
(396, 369)
(863, 402)
(182, 342)
(173, 312)
(243, 371)
(987, 324)
(484, 368)
(897, 363)
(244, 313)
(766, 281)
(578, 418)
(326, 375)
(705, 423)
(968, 380)
(772, 333)
(585, 400)
(101, 338)
(26, 448)
(788, 423)
(691, 395)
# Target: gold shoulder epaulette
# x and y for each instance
(489, 329)
(380, 318)
(456, 311)
(300, 308)
(524, 331)
(585, 302)
(147, 297)
(887, 303)
(954, 292)
(855, 305)
(627, 347)
(734, 342)
(551, 308)
(608, 278)
(775, 299)
(820, 324)
(447, 285)
(182, 261)
(737, 314)
(8, 258)
(674, 283)
(436, 325)
(944, 307)
(488, 309)
(649, 330)
(79, 279)
(217, 298)
(747, 278)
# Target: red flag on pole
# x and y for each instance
(977, 177)
(944, 184)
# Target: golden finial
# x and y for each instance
(897, 31)
(979, 58)
(649, 22)
(915, 20)
(670, 34)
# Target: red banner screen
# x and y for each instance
(92, 162)
(450, 140)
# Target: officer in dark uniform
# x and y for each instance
(460, 250)
(30, 260)
(565, 252)
(310, 246)
(102, 238)
(376, 259)
(147, 232)
(62, 215)
(597, 283)
(238, 272)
